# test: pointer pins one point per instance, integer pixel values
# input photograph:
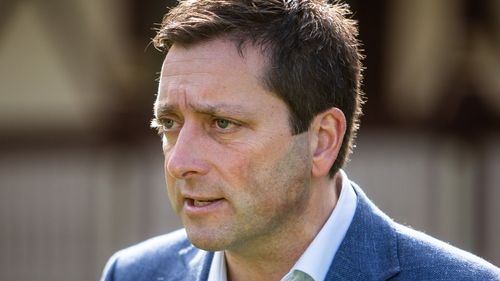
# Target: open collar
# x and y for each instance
(369, 249)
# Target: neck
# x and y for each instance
(272, 256)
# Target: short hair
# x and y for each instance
(312, 49)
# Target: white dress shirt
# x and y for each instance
(318, 256)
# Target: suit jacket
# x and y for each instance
(374, 248)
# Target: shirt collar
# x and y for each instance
(317, 258)
(218, 270)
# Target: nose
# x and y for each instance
(187, 157)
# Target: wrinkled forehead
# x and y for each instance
(224, 49)
(214, 68)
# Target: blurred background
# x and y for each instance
(81, 172)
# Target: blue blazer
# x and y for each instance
(374, 248)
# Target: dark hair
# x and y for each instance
(313, 52)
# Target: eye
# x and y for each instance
(167, 123)
(222, 123)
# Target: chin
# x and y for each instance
(206, 241)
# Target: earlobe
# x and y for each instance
(328, 129)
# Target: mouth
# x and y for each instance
(203, 206)
(201, 202)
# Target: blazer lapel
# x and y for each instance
(196, 264)
(205, 268)
(369, 249)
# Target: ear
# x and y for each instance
(326, 134)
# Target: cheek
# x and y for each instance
(164, 144)
(251, 178)
(247, 164)
(284, 179)
(234, 170)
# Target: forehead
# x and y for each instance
(222, 54)
(213, 72)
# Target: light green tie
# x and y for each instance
(298, 275)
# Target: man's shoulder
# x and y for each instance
(424, 257)
(168, 255)
(377, 248)
(166, 246)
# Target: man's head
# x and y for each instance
(236, 75)
(313, 60)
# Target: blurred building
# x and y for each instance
(81, 173)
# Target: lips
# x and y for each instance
(203, 206)
(203, 203)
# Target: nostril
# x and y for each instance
(187, 174)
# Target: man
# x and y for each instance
(257, 108)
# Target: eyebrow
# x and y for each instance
(207, 109)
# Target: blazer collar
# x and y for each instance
(196, 262)
(369, 249)
(207, 261)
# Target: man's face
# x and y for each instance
(235, 175)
